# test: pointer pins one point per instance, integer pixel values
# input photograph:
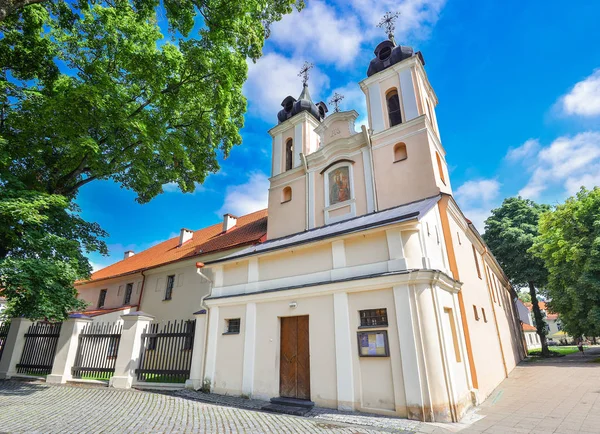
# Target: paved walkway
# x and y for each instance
(554, 396)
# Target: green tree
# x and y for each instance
(97, 90)
(525, 297)
(569, 245)
(510, 232)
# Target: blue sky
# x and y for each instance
(518, 85)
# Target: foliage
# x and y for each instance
(569, 244)
(109, 90)
(510, 232)
(525, 297)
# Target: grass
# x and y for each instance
(558, 351)
(162, 378)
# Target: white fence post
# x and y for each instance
(197, 368)
(128, 356)
(66, 350)
(13, 347)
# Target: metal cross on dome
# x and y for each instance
(388, 22)
(337, 98)
(304, 71)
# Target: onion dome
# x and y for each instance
(388, 53)
(292, 106)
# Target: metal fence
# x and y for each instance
(4, 328)
(39, 349)
(166, 352)
(97, 351)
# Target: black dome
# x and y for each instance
(292, 106)
(388, 54)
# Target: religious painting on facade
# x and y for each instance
(373, 344)
(339, 185)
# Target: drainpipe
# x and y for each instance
(199, 267)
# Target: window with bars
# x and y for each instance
(169, 290)
(102, 298)
(128, 291)
(233, 326)
(373, 318)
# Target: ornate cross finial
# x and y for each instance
(304, 71)
(388, 22)
(337, 98)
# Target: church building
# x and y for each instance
(361, 287)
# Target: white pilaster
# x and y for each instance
(211, 347)
(396, 250)
(196, 380)
(376, 108)
(423, 242)
(13, 347)
(252, 275)
(415, 378)
(311, 199)
(277, 149)
(368, 179)
(66, 348)
(298, 144)
(249, 350)
(338, 252)
(343, 352)
(218, 276)
(128, 355)
(409, 99)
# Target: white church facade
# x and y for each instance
(361, 287)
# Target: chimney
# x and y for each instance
(229, 222)
(128, 254)
(185, 235)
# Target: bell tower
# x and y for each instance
(293, 139)
(408, 158)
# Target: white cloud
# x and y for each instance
(246, 198)
(478, 197)
(527, 150)
(173, 187)
(568, 163)
(273, 78)
(317, 32)
(584, 98)
(416, 20)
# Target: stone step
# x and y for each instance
(293, 402)
(285, 409)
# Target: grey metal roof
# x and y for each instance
(413, 210)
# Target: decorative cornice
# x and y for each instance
(293, 121)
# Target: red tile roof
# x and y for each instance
(249, 229)
(541, 304)
(528, 328)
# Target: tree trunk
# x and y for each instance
(540, 324)
(8, 7)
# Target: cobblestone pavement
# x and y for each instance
(40, 408)
(559, 396)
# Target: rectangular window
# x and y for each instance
(489, 279)
(128, 291)
(497, 290)
(169, 290)
(233, 326)
(102, 298)
(476, 261)
(483, 314)
(475, 312)
(450, 313)
(373, 318)
(373, 344)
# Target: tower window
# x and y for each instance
(289, 154)
(440, 167)
(393, 106)
(286, 195)
(400, 152)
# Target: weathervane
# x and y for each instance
(388, 22)
(304, 72)
(337, 98)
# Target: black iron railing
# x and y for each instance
(166, 352)
(38, 352)
(97, 351)
(4, 328)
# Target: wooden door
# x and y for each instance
(294, 369)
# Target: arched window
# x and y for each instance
(400, 152)
(393, 106)
(440, 167)
(289, 154)
(286, 195)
